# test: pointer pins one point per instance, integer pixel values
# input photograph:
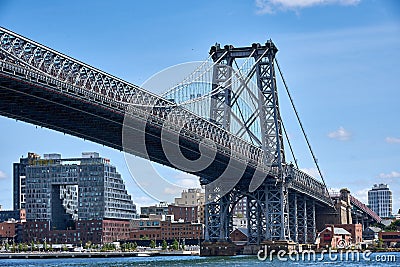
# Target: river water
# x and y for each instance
(374, 259)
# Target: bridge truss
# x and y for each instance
(45, 76)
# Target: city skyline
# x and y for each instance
(348, 106)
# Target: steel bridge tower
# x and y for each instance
(268, 213)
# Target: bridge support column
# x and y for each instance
(255, 216)
(311, 227)
(293, 224)
(301, 219)
(218, 225)
(277, 216)
(212, 221)
(225, 218)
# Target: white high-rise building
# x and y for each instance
(380, 200)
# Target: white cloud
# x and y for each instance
(392, 140)
(270, 6)
(3, 175)
(340, 134)
(189, 183)
(182, 181)
(175, 191)
(362, 195)
(187, 180)
(392, 174)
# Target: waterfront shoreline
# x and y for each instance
(55, 255)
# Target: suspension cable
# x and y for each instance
(187, 78)
(302, 129)
(219, 88)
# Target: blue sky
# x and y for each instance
(340, 59)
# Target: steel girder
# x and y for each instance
(221, 101)
(219, 215)
(277, 215)
(256, 220)
(311, 226)
(305, 229)
(268, 107)
(301, 219)
(293, 219)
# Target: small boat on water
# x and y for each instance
(143, 255)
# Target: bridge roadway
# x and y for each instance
(63, 94)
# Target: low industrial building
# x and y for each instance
(334, 237)
(389, 239)
(160, 227)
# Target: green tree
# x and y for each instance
(175, 245)
(88, 245)
(164, 245)
(152, 244)
(379, 225)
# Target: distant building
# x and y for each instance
(73, 200)
(239, 219)
(334, 237)
(193, 197)
(157, 209)
(355, 230)
(19, 180)
(164, 227)
(16, 215)
(380, 200)
(239, 236)
(389, 239)
(240, 209)
(184, 213)
(371, 233)
(239, 222)
(8, 231)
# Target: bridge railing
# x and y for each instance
(364, 208)
(305, 183)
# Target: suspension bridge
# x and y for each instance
(221, 123)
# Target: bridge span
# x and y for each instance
(41, 86)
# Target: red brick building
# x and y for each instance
(239, 236)
(389, 238)
(95, 231)
(162, 227)
(355, 230)
(334, 237)
(185, 213)
(7, 230)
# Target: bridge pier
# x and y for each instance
(311, 228)
(293, 217)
